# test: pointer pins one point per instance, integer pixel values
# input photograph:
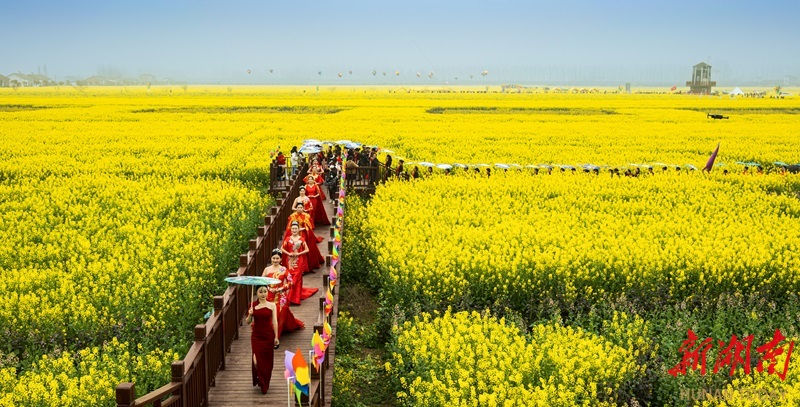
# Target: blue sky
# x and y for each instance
(203, 41)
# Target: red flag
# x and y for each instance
(710, 163)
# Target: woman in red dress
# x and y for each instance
(313, 193)
(264, 318)
(315, 258)
(294, 249)
(278, 294)
(308, 207)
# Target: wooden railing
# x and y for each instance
(192, 376)
(367, 178)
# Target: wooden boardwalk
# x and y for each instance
(233, 386)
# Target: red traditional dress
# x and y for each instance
(262, 342)
(313, 193)
(319, 180)
(278, 294)
(315, 258)
(296, 266)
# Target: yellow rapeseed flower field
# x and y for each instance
(121, 208)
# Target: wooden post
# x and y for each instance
(219, 304)
(126, 395)
(243, 260)
(328, 260)
(261, 231)
(333, 228)
(273, 211)
(330, 246)
(177, 377)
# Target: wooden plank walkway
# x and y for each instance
(233, 386)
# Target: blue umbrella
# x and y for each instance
(251, 281)
(781, 163)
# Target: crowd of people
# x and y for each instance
(366, 158)
(270, 315)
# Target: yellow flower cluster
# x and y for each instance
(116, 223)
(518, 238)
(83, 378)
(469, 359)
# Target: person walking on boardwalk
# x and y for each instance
(263, 317)
(314, 257)
(313, 192)
(279, 293)
(308, 206)
(317, 174)
(295, 249)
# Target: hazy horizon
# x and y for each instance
(571, 42)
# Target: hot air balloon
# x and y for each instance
(384, 74)
(270, 71)
(319, 73)
(340, 74)
(397, 73)
(248, 72)
(350, 72)
(484, 73)
(456, 77)
(470, 76)
(374, 72)
(430, 75)
(418, 74)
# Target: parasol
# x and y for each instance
(444, 166)
(427, 164)
(310, 149)
(251, 281)
(503, 166)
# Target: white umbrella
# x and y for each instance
(427, 164)
(503, 166)
(310, 150)
(460, 166)
(343, 142)
(444, 166)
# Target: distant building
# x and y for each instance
(21, 79)
(701, 83)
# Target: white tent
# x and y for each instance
(736, 92)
